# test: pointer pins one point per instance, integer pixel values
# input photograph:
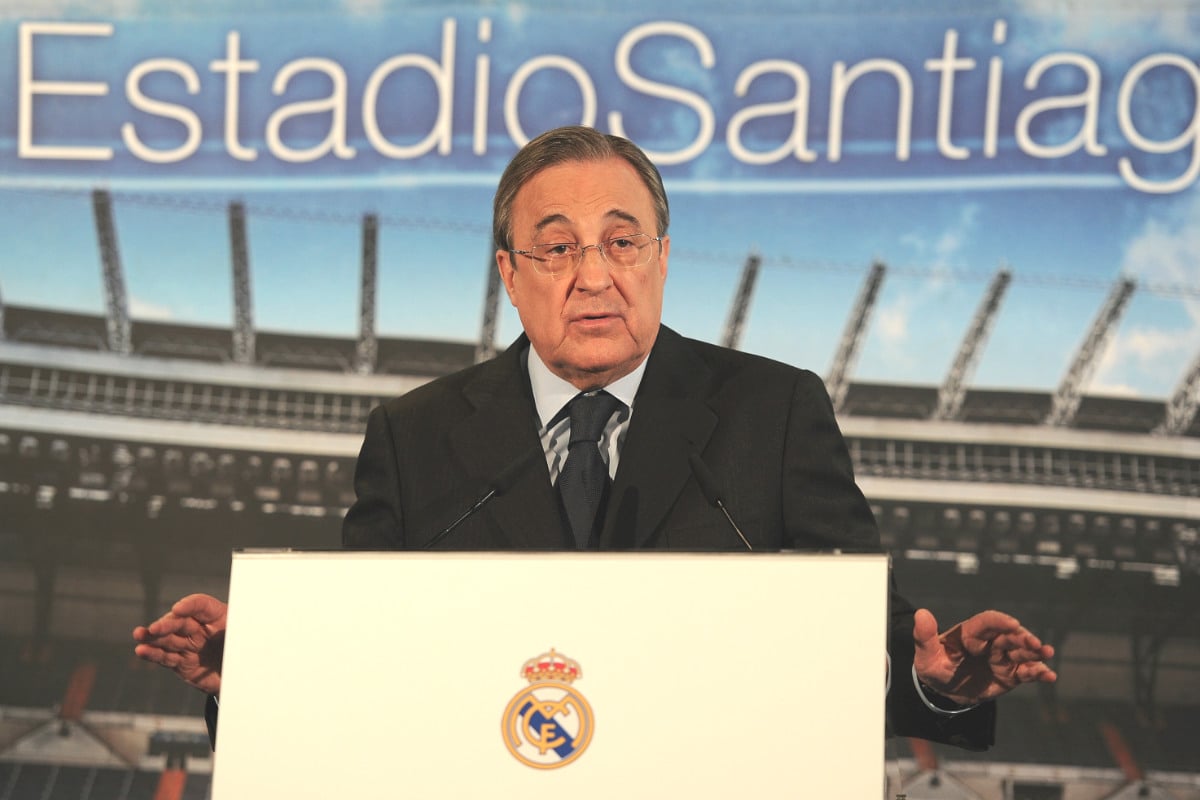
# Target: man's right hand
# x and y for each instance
(189, 639)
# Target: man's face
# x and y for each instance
(597, 324)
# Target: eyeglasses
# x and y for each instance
(562, 258)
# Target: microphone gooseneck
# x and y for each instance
(708, 486)
(505, 479)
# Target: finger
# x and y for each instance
(925, 630)
(168, 621)
(204, 608)
(174, 643)
(174, 624)
(1022, 656)
(178, 662)
(1036, 671)
(156, 655)
(1035, 651)
(988, 625)
(1017, 640)
(195, 609)
(147, 652)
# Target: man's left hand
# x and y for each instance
(979, 659)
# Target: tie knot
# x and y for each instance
(589, 414)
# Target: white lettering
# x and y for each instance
(182, 114)
(512, 97)
(843, 79)
(27, 88)
(482, 72)
(1088, 99)
(1189, 135)
(234, 67)
(991, 124)
(797, 143)
(334, 104)
(682, 96)
(441, 134)
(948, 64)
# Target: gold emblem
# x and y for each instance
(548, 724)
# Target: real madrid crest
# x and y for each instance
(548, 724)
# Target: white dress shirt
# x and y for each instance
(551, 393)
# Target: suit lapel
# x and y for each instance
(670, 421)
(502, 429)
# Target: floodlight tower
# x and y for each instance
(838, 380)
(119, 326)
(741, 302)
(1185, 400)
(486, 348)
(954, 388)
(366, 352)
(1065, 403)
(243, 314)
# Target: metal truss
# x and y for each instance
(120, 339)
(1065, 403)
(954, 388)
(1184, 402)
(486, 348)
(838, 380)
(741, 302)
(243, 314)
(366, 352)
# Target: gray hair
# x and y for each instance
(562, 145)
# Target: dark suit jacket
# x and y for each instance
(766, 430)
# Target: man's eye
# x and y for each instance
(620, 244)
(557, 250)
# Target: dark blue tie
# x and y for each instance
(584, 476)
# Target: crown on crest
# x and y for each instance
(551, 666)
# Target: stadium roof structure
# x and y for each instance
(423, 359)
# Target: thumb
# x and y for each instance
(925, 629)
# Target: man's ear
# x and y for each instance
(508, 271)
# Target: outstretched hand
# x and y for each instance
(979, 659)
(189, 640)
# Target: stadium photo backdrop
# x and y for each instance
(231, 229)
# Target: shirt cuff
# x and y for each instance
(945, 712)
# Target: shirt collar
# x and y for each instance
(551, 393)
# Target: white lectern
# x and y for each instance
(575, 675)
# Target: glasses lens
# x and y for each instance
(554, 259)
(627, 251)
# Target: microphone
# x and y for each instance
(504, 480)
(708, 485)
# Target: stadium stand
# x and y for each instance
(126, 480)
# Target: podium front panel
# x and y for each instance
(580, 675)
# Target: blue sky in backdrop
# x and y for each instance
(1068, 222)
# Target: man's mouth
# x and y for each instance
(594, 316)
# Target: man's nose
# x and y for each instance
(593, 274)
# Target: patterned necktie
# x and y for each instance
(584, 476)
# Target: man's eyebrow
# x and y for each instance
(554, 219)
(623, 215)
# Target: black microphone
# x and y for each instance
(708, 485)
(500, 484)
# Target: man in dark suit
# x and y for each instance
(594, 354)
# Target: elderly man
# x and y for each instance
(594, 420)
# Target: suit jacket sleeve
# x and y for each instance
(824, 508)
(376, 520)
